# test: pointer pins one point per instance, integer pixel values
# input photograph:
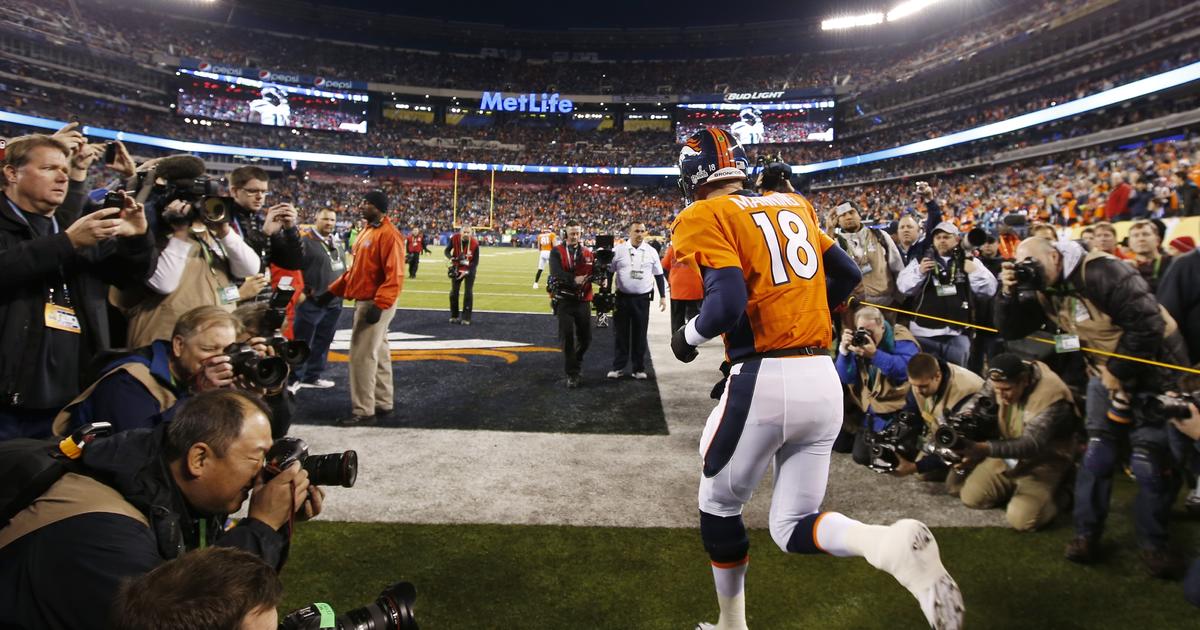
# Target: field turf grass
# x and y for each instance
(552, 577)
(503, 282)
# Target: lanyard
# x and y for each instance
(66, 292)
(570, 257)
(211, 254)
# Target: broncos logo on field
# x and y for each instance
(410, 347)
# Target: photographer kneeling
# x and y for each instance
(1031, 447)
(939, 389)
(1102, 303)
(141, 389)
(165, 491)
(872, 361)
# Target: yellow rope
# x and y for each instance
(1040, 339)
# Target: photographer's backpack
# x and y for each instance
(28, 467)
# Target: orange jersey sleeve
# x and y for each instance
(777, 243)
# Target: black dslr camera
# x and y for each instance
(603, 300)
(264, 372)
(392, 610)
(861, 337)
(899, 439)
(976, 425)
(1164, 407)
(202, 196)
(1030, 279)
(293, 352)
(334, 469)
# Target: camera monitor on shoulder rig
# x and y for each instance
(899, 439)
(392, 610)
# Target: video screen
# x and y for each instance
(759, 123)
(236, 99)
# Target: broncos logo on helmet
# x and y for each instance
(710, 155)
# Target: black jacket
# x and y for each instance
(283, 248)
(1179, 292)
(29, 264)
(66, 574)
(1117, 289)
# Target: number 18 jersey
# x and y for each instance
(777, 244)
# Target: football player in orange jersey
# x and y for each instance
(547, 241)
(770, 276)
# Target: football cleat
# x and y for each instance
(909, 553)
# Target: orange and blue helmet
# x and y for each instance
(710, 155)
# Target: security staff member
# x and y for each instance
(571, 275)
(1100, 302)
(637, 271)
(324, 261)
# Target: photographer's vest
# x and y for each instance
(461, 254)
(876, 391)
(872, 259)
(1074, 314)
(70, 496)
(1047, 390)
(206, 281)
(140, 371)
(581, 266)
(947, 300)
(958, 385)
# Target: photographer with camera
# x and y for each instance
(272, 235)
(53, 313)
(907, 232)
(637, 271)
(1031, 450)
(945, 284)
(142, 388)
(938, 389)
(1102, 303)
(165, 490)
(872, 362)
(315, 324)
(463, 252)
(874, 252)
(415, 245)
(201, 258)
(570, 287)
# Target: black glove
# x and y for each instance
(683, 350)
(373, 314)
(323, 298)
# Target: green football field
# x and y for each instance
(504, 282)
(560, 577)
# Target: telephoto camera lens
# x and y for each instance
(947, 437)
(334, 469)
(392, 610)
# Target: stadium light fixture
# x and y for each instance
(851, 21)
(905, 9)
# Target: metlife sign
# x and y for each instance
(535, 103)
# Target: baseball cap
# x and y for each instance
(947, 227)
(844, 207)
(1005, 367)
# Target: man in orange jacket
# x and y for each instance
(687, 289)
(374, 280)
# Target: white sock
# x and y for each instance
(731, 595)
(842, 536)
